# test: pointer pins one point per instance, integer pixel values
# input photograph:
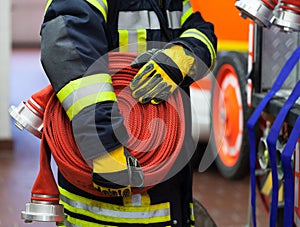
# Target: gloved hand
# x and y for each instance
(143, 58)
(116, 172)
(162, 74)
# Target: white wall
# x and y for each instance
(27, 16)
(5, 52)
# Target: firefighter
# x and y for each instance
(74, 35)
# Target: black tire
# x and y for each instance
(231, 68)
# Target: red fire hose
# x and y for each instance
(293, 5)
(270, 3)
(154, 144)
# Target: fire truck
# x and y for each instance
(219, 100)
(254, 121)
(273, 125)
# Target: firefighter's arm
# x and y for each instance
(192, 55)
(73, 40)
(199, 37)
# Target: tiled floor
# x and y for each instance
(225, 200)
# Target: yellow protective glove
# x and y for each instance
(162, 74)
(116, 172)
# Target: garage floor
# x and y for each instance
(225, 200)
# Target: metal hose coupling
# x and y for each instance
(260, 11)
(263, 153)
(29, 115)
(44, 208)
(287, 16)
(26, 117)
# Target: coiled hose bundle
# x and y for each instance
(156, 133)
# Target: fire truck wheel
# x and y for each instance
(229, 113)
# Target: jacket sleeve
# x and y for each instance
(199, 37)
(74, 44)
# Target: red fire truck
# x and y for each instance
(273, 126)
(254, 107)
(219, 120)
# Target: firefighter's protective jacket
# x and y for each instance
(76, 34)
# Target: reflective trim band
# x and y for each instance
(123, 40)
(192, 216)
(194, 33)
(138, 19)
(101, 5)
(149, 20)
(86, 91)
(47, 5)
(137, 200)
(187, 11)
(142, 40)
(74, 222)
(115, 213)
(136, 39)
(174, 18)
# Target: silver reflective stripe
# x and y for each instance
(103, 3)
(133, 40)
(138, 19)
(147, 20)
(84, 92)
(174, 18)
(114, 213)
(186, 6)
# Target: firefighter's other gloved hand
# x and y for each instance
(116, 172)
(162, 74)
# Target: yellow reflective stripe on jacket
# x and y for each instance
(187, 11)
(47, 5)
(115, 213)
(133, 41)
(74, 222)
(192, 216)
(101, 5)
(194, 33)
(141, 40)
(123, 40)
(86, 91)
(132, 28)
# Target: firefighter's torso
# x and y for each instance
(140, 21)
(125, 24)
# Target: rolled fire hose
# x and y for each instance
(156, 146)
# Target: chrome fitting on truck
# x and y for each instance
(256, 10)
(287, 16)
